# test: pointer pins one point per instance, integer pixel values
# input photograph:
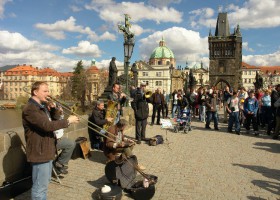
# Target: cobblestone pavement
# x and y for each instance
(203, 164)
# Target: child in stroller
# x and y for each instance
(183, 122)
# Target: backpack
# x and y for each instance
(158, 139)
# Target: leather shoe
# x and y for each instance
(59, 169)
(208, 127)
(138, 142)
(217, 129)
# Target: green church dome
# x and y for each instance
(162, 51)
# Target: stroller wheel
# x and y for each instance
(186, 130)
(176, 129)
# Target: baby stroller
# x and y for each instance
(183, 122)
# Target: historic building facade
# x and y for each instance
(225, 54)
(156, 73)
(21, 77)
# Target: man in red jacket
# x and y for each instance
(39, 125)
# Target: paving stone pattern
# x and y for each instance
(203, 164)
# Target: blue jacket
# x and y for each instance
(251, 105)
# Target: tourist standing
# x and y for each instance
(251, 107)
(232, 107)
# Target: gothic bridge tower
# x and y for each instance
(225, 55)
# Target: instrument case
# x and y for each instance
(10, 190)
(124, 174)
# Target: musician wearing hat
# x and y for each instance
(117, 146)
(141, 112)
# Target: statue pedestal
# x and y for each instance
(104, 96)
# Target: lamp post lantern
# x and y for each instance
(128, 49)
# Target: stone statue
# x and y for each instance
(113, 71)
(192, 80)
(259, 81)
(135, 74)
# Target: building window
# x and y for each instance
(158, 74)
(147, 82)
(159, 62)
(145, 74)
(245, 80)
(158, 83)
(250, 73)
(249, 80)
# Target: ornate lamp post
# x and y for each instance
(128, 47)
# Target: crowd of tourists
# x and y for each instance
(257, 108)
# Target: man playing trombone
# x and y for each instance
(39, 126)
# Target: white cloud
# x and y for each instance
(111, 11)
(272, 59)
(75, 8)
(245, 46)
(84, 49)
(203, 17)
(187, 45)
(16, 49)
(252, 14)
(57, 30)
(163, 3)
(2, 9)
(15, 42)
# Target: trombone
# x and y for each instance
(71, 110)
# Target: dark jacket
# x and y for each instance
(97, 117)
(154, 98)
(140, 105)
(211, 101)
(38, 130)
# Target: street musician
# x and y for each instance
(117, 146)
(118, 97)
(141, 112)
(97, 117)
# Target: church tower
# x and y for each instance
(225, 54)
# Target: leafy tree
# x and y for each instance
(79, 84)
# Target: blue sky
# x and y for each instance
(59, 33)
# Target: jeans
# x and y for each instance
(174, 110)
(234, 118)
(251, 118)
(202, 113)
(41, 177)
(67, 146)
(210, 115)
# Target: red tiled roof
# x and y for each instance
(22, 70)
(247, 66)
(93, 69)
(272, 69)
